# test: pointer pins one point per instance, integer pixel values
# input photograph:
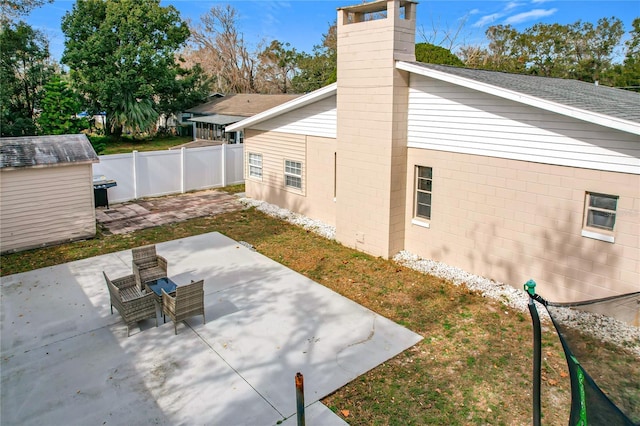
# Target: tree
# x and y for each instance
(474, 56)
(446, 37)
(579, 50)
(24, 67)
(223, 53)
(60, 107)
(502, 52)
(631, 68)
(605, 38)
(190, 88)
(505, 52)
(432, 54)
(136, 115)
(278, 66)
(122, 55)
(10, 9)
(319, 69)
(543, 49)
(627, 74)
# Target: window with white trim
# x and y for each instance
(424, 186)
(293, 174)
(599, 216)
(255, 165)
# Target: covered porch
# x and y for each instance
(212, 128)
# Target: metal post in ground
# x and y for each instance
(530, 287)
(300, 398)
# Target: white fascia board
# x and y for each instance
(577, 113)
(304, 100)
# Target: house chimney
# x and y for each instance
(372, 99)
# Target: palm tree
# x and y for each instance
(136, 115)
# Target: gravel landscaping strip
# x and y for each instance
(320, 228)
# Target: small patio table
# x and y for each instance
(156, 286)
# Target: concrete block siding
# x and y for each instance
(514, 220)
(371, 126)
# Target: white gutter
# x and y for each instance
(580, 114)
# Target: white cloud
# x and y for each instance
(540, 1)
(487, 19)
(512, 5)
(529, 16)
(474, 11)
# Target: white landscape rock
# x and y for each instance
(320, 228)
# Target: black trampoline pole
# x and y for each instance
(530, 288)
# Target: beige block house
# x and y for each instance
(507, 176)
(46, 191)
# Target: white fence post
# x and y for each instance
(135, 174)
(223, 166)
(183, 170)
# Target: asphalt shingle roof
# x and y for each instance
(617, 103)
(242, 104)
(30, 151)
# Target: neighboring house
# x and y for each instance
(179, 122)
(210, 119)
(46, 191)
(507, 176)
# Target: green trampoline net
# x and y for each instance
(601, 342)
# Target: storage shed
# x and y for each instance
(46, 191)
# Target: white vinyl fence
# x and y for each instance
(156, 173)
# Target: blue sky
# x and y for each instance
(302, 22)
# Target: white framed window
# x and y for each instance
(255, 165)
(293, 174)
(423, 188)
(599, 216)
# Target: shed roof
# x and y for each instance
(33, 151)
(242, 104)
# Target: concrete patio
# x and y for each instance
(67, 360)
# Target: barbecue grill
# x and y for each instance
(100, 186)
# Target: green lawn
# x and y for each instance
(128, 144)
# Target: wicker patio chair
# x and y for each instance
(147, 265)
(188, 301)
(130, 302)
